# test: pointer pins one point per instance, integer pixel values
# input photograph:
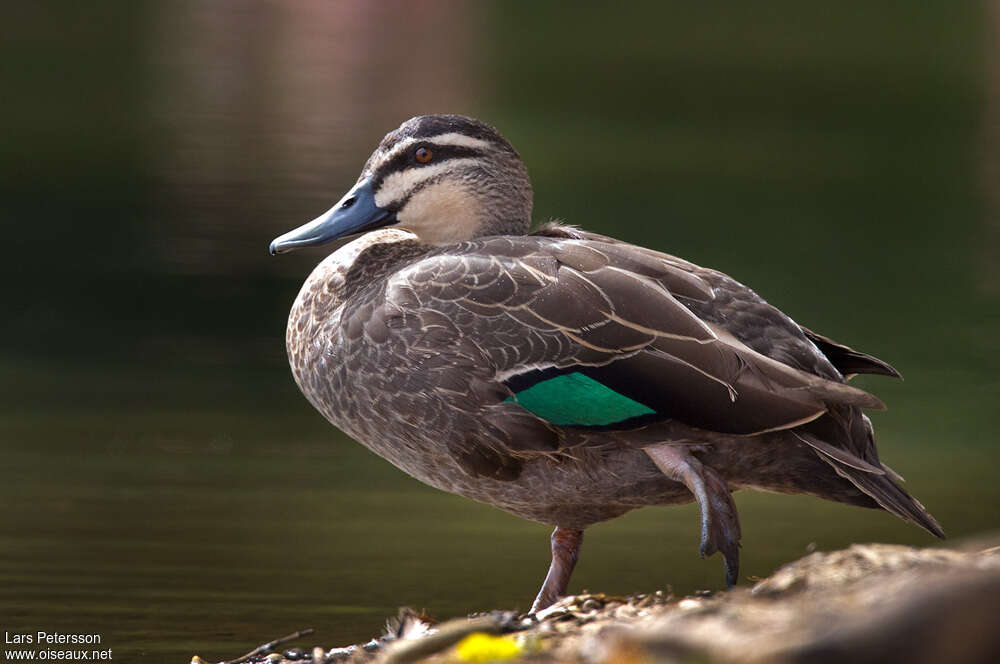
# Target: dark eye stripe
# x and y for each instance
(406, 160)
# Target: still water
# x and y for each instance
(165, 485)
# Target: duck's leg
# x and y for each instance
(565, 549)
(720, 523)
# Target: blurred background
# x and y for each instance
(165, 484)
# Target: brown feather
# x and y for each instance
(849, 361)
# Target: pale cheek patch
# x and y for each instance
(397, 186)
(441, 213)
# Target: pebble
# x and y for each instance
(554, 611)
(335, 654)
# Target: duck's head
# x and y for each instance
(445, 178)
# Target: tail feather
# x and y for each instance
(890, 496)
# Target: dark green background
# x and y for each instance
(164, 483)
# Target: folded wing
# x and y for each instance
(542, 308)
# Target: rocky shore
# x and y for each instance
(868, 603)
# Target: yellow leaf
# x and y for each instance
(482, 647)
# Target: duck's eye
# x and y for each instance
(423, 155)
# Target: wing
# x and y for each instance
(848, 361)
(743, 313)
(576, 332)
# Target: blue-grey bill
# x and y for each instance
(356, 212)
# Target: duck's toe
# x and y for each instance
(720, 522)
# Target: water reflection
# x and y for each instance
(269, 110)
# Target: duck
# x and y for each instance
(560, 375)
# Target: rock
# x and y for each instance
(867, 604)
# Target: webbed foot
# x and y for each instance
(720, 523)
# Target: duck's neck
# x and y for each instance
(349, 269)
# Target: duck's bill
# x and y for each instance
(355, 213)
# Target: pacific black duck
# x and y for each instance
(560, 375)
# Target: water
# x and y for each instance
(166, 486)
